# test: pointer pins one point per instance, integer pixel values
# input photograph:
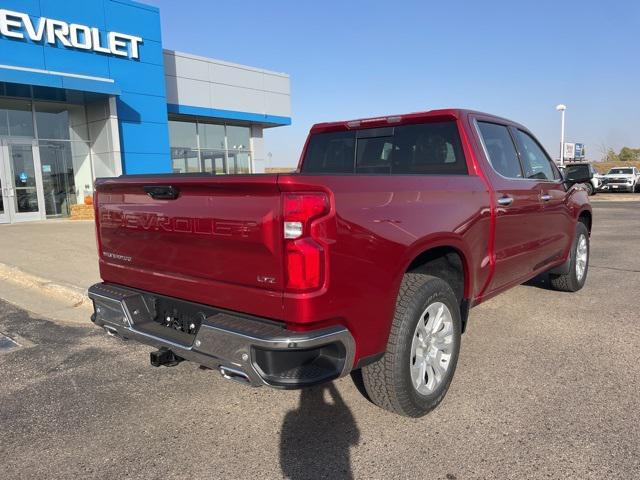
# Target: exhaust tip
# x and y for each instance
(235, 375)
(112, 332)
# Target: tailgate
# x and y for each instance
(217, 242)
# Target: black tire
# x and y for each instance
(570, 281)
(590, 190)
(388, 381)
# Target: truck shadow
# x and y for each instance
(540, 281)
(316, 437)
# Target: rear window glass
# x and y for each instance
(427, 149)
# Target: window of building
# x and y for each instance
(501, 150)
(210, 148)
(63, 151)
(16, 118)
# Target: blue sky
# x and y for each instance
(350, 59)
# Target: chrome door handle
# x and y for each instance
(505, 201)
(546, 197)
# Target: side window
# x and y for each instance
(537, 165)
(502, 152)
(330, 153)
(428, 149)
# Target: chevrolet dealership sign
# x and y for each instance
(71, 35)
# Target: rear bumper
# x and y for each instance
(254, 351)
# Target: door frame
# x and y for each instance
(5, 216)
(12, 216)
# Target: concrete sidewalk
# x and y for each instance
(46, 267)
(61, 251)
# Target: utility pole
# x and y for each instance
(561, 108)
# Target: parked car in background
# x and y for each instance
(366, 260)
(622, 179)
(584, 170)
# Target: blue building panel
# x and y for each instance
(137, 107)
(261, 118)
(92, 86)
(128, 17)
(18, 53)
(144, 137)
(138, 77)
(140, 163)
(84, 13)
(31, 7)
(64, 60)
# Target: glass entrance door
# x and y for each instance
(4, 192)
(22, 182)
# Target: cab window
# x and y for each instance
(537, 164)
(500, 149)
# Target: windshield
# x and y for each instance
(621, 171)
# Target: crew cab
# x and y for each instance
(622, 179)
(366, 260)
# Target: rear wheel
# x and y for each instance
(578, 263)
(422, 352)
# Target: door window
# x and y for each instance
(24, 178)
(537, 165)
(501, 150)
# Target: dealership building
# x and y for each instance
(87, 91)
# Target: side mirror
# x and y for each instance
(571, 180)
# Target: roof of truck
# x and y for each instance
(404, 118)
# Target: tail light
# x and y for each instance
(304, 252)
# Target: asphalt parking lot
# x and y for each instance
(548, 386)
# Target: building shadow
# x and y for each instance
(317, 437)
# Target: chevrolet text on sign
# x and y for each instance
(71, 35)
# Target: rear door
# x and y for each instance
(519, 227)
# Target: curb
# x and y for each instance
(78, 296)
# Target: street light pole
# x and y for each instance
(561, 108)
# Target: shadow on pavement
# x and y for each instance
(541, 281)
(317, 437)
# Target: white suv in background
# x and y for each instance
(623, 179)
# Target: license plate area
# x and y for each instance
(167, 318)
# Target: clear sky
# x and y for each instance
(350, 59)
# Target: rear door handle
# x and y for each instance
(162, 192)
(505, 201)
(546, 197)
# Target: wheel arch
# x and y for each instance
(448, 260)
(586, 217)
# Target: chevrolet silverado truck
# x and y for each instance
(620, 179)
(366, 260)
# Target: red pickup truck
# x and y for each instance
(367, 259)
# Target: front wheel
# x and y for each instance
(422, 352)
(578, 263)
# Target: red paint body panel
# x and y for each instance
(221, 241)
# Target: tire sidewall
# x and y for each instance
(581, 229)
(435, 290)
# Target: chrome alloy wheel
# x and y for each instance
(431, 348)
(582, 254)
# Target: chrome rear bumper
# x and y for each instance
(242, 348)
